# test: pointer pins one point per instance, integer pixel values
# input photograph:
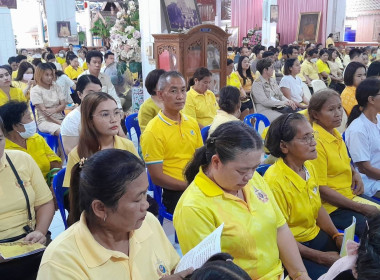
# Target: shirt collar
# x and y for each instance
(95, 254)
(169, 121)
(325, 135)
(289, 173)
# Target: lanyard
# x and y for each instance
(23, 190)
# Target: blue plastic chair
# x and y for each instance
(63, 148)
(259, 118)
(204, 133)
(59, 191)
(51, 140)
(132, 122)
(262, 169)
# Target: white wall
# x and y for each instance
(152, 21)
(336, 14)
(7, 39)
(60, 10)
(269, 29)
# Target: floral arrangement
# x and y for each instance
(126, 38)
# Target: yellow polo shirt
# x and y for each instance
(171, 143)
(201, 107)
(73, 157)
(40, 151)
(14, 93)
(333, 164)
(323, 67)
(72, 73)
(60, 60)
(14, 74)
(348, 97)
(221, 118)
(13, 211)
(250, 227)
(75, 254)
(299, 200)
(233, 80)
(310, 69)
(148, 110)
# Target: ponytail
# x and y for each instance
(75, 211)
(199, 159)
(355, 113)
(190, 83)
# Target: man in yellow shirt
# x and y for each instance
(170, 139)
(309, 69)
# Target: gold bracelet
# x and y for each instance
(336, 235)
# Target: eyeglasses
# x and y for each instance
(106, 115)
(308, 139)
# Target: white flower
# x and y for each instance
(129, 29)
(136, 34)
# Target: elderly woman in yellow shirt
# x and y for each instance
(354, 74)
(7, 91)
(200, 101)
(115, 238)
(21, 134)
(224, 188)
(294, 183)
(150, 108)
(73, 70)
(340, 186)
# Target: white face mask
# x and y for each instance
(61, 55)
(314, 60)
(30, 130)
(27, 77)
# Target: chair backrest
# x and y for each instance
(63, 148)
(259, 119)
(306, 91)
(59, 191)
(342, 126)
(204, 133)
(132, 122)
(318, 85)
(262, 169)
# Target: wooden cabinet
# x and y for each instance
(202, 46)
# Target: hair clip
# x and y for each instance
(212, 140)
(82, 161)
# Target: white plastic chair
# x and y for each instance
(318, 85)
(306, 91)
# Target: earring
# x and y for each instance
(104, 219)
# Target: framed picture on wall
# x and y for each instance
(233, 40)
(308, 27)
(180, 14)
(10, 4)
(274, 13)
(63, 29)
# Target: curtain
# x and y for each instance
(289, 12)
(246, 14)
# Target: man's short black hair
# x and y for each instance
(108, 54)
(92, 54)
(12, 59)
(354, 52)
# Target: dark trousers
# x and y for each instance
(322, 242)
(25, 268)
(342, 218)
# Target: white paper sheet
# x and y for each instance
(197, 256)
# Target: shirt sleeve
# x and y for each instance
(152, 148)
(49, 152)
(70, 83)
(61, 94)
(130, 147)
(278, 194)
(111, 90)
(70, 125)
(190, 235)
(41, 189)
(358, 145)
(36, 96)
(259, 97)
(285, 82)
(53, 270)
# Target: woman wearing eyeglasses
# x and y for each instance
(294, 183)
(100, 123)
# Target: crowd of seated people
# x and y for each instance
(286, 223)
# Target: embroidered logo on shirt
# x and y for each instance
(192, 132)
(261, 195)
(315, 190)
(161, 269)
